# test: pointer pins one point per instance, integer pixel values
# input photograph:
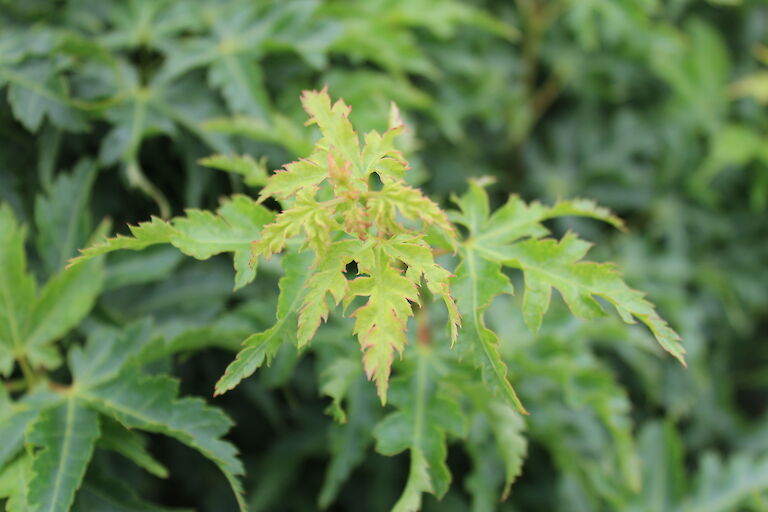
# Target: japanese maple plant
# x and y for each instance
(355, 240)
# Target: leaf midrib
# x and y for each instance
(506, 386)
(68, 246)
(65, 449)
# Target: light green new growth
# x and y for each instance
(347, 202)
(331, 206)
(201, 234)
(351, 233)
(513, 237)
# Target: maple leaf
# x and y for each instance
(548, 263)
(424, 417)
(381, 323)
(296, 177)
(254, 172)
(61, 215)
(420, 261)
(37, 90)
(200, 234)
(30, 321)
(334, 124)
(328, 277)
(307, 216)
(105, 406)
(107, 379)
(397, 197)
(380, 154)
(66, 435)
(476, 284)
(260, 348)
(511, 237)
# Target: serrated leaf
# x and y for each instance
(380, 324)
(491, 233)
(108, 352)
(474, 208)
(189, 420)
(380, 154)
(61, 216)
(16, 418)
(145, 234)
(66, 436)
(327, 277)
(14, 484)
(107, 378)
(63, 302)
(36, 92)
(254, 172)
(130, 444)
(307, 216)
(262, 347)
(417, 255)
(424, 418)
(477, 283)
(17, 290)
(298, 176)
(497, 446)
(584, 208)
(334, 124)
(511, 236)
(201, 234)
(594, 411)
(397, 197)
(29, 324)
(547, 264)
(235, 226)
(508, 427)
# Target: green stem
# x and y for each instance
(29, 374)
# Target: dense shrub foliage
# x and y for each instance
(348, 268)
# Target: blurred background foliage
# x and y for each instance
(656, 109)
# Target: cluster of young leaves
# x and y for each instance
(52, 429)
(331, 204)
(347, 202)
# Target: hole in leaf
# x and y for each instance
(351, 271)
(374, 182)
